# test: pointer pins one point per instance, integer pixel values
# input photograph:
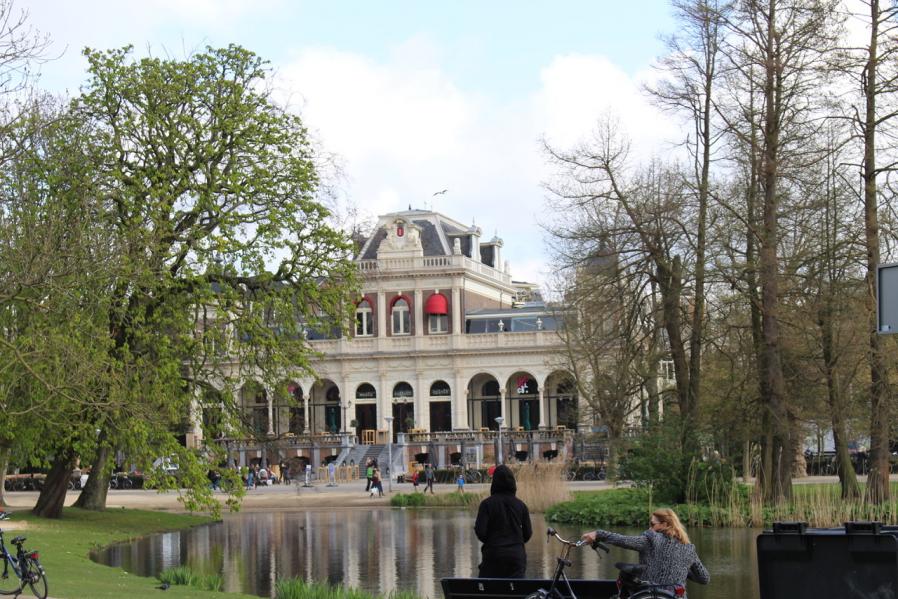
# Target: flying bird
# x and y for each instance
(440, 192)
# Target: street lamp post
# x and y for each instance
(389, 420)
(346, 407)
(499, 421)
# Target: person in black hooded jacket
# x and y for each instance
(503, 526)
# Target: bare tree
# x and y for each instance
(688, 87)
(873, 68)
(776, 47)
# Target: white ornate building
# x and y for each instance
(444, 343)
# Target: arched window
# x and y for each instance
(440, 389)
(364, 325)
(402, 324)
(366, 391)
(490, 389)
(403, 390)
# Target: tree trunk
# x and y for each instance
(746, 461)
(847, 476)
(878, 477)
(776, 482)
(52, 497)
(4, 464)
(93, 496)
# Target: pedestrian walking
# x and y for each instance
(369, 474)
(461, 482)
(428, 479)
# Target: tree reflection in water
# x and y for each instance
(382, 550)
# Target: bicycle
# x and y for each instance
(631, 586)
(26, 568)
(563, 562)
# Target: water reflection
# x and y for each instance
(383, 550)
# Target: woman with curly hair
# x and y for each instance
(664, 549)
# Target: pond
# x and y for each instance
(382, 550)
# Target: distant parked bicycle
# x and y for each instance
(24, 569)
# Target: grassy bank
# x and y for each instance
(64, 546)
(819, 505)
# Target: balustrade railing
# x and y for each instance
(426, 262)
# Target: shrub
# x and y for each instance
(655, 460)
(614, 507)
(407, 500)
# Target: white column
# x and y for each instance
(305, 410)
(347, 394)
(419, 313)
(460, 402)
(502, 413)
(195, 438)
(422, 399)
(270, 405)
(543, 409)
(384, 403)
(456, 311)
(381, 310)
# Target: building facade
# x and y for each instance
(444, 347)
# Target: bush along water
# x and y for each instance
(464, 500)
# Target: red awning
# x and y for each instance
(437, 304)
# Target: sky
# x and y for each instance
(415, 97)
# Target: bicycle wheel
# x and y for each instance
(35, 577)
(472, 476)
(126, 483)
(540, 594)
(9, 580)
(589, 475)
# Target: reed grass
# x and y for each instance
(297, 588)
(185, 576)
(820, 505)
(541, 486)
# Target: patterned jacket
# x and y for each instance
(668, 560)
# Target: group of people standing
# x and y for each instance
(503, 526)
(375, 482)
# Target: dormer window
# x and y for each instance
(402, 324)
(364, 325)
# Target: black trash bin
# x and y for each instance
(858, 560)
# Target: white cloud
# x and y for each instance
(406, 130)
(579, 90)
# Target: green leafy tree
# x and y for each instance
(223, 254)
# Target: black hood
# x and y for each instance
(503, 481)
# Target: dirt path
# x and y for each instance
(345, 495)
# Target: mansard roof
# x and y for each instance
(438, 233)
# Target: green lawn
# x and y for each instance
(64, 546)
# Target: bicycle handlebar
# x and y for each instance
(596, 545)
